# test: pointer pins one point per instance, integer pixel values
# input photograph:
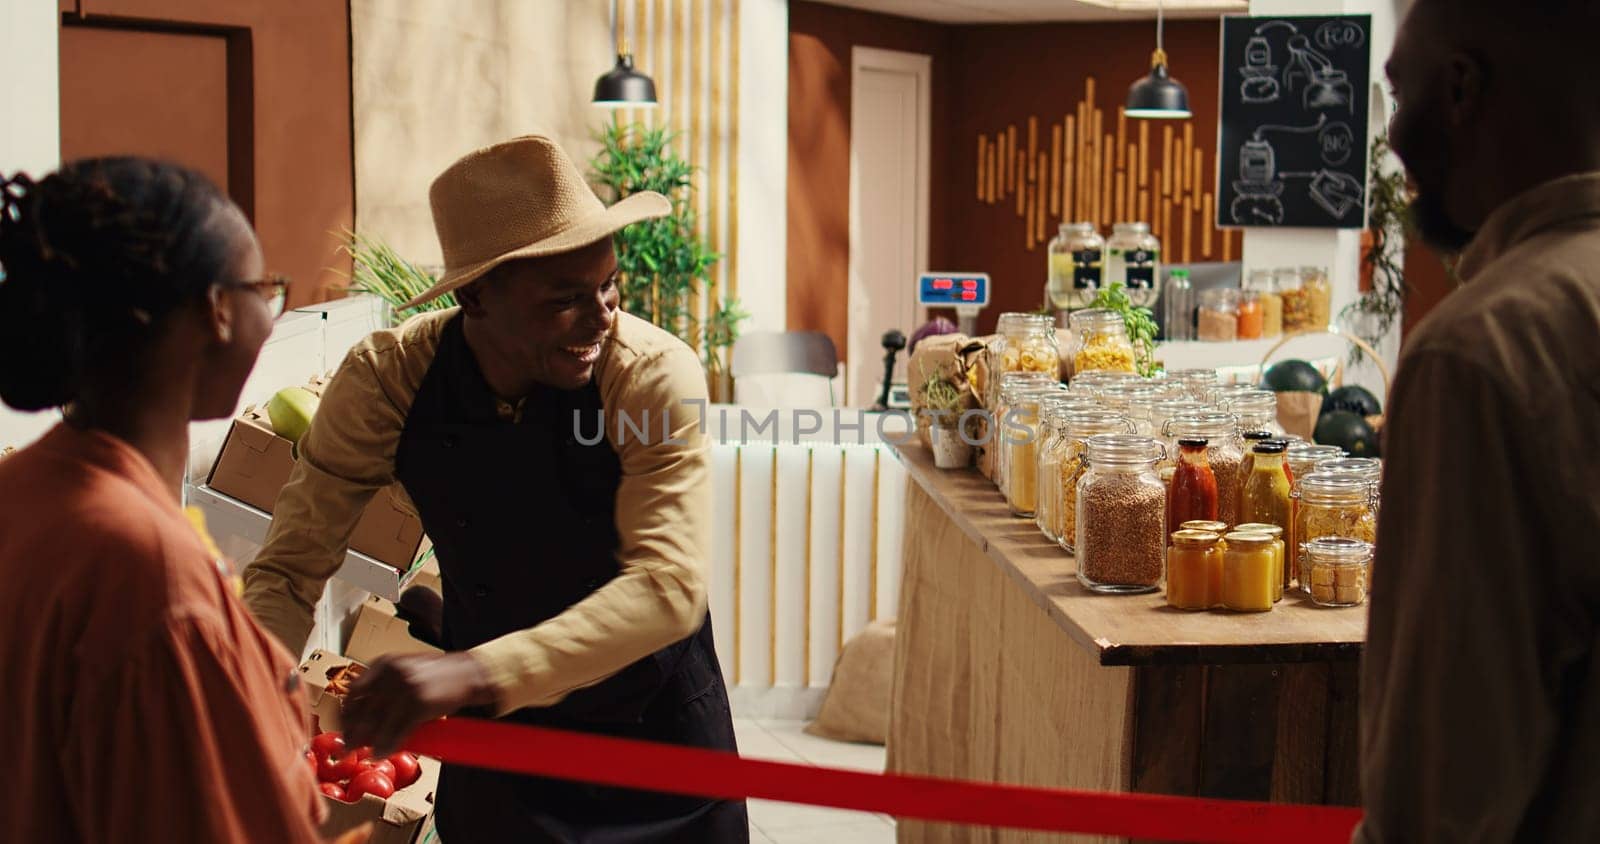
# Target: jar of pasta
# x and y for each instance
(1224, 451)
(1075, 430)
(1100, 342)
(1338, 571)
(1297, 314)
(1028, 344)
(1019, 443)
(1319, 294)
(1053, 411)
(1121, 546)
(1218, 316)
(1260, 283)
(1194, 570)
(1247, 572)
(1330, 505)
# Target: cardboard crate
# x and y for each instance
(379, 630)
(407, 815)
(255, 463)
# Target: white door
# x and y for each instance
(889, 127)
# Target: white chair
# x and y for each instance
(784, 369)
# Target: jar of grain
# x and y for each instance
(1012, 386)
(1218, 320)
(1194, 570)
(1076, 429)
(1019, 440)
(1224, 451)
(1100, 342)
(1338, 571)
(1053, 412)
(1330, 505)
(1121, 515)
(1247, 573)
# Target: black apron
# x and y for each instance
(522, 519)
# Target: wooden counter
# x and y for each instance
(1008, 670)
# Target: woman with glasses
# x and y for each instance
(144, 703)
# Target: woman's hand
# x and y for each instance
(396, 694)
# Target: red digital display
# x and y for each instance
(942, 284)
(969, 295)
(970, 284)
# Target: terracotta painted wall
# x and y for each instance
(820, 40)
(985, 78)
(298, 100)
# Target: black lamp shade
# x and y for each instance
(624, 87)
(1158, 96)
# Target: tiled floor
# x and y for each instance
(788, 823)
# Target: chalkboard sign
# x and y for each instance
(1293, 147)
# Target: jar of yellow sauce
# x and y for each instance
(1194, 570)
(1276, 532)
(1247, 572)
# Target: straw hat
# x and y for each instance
(520, 199)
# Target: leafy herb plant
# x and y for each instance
(1140, 323)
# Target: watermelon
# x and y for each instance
(1294, 376)
(1348, 431)
(1355, 399)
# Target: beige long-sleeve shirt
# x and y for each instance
(1480, 688)
(662, 512)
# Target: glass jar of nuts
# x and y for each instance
(1337, 569)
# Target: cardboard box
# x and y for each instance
(379, 630)
(407, 815)
(255, 464)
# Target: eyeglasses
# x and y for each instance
(273, 288)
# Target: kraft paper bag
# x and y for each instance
(857, 706)
(1297, 413)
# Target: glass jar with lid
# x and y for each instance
(1247, 572)
(1121, 396)
(1224, 393)
(1177, 317)
(1133, 257)
(1303, 457)
(1121, 530)
(1249, 315)
(1077, 260)
(1224, 451)
(1100, 342)
(1261, 283)
(1052, 409)
(1019, 443)
(1161, 411)
(1196, 382)
(1028, 344)
(1012, 386)
(1330, 504)
(1257, 410)
(1296, 300)
(1314, 280)
(1194, 570)
(1279, 575)
(1369, 469)
(1217, 319)
(1074, 431)
(1338, 570)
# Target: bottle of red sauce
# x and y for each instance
(1194, 487)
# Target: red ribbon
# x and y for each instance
(707, 773)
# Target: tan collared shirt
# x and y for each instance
(663, 507)
(1480, 688)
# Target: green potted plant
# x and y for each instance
(377, 269)
(666, 261)
(945, 402)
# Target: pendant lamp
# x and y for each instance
(622, 86)
(1158, 96)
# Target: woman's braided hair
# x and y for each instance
(92, 257)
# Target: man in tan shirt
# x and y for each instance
(1480, 695)
(573, 565)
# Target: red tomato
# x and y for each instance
(348, 766)
(382, 766)
(369, 782)
(362, 752)
(406, 768)
(328, 744)
(328, 769)
(333, 790)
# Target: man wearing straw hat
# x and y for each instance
(574, 575)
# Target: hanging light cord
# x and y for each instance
(1160, 57)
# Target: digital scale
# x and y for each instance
(968, 293)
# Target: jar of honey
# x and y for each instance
(1194, 570)
(1279, 581)
(1247, 572)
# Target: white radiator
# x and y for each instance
(806, 551)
